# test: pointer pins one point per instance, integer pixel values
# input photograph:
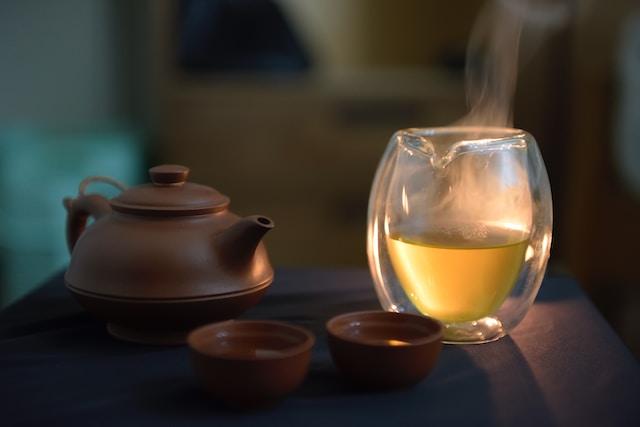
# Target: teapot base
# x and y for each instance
(164, 322)
(147, 336)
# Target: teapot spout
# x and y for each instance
(238, 243)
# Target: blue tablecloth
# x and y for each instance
(562, 366)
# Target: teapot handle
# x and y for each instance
(85, 205)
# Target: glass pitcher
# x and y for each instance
(459, 228)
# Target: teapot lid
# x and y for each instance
(169, 193)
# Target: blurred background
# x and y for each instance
(287, 105)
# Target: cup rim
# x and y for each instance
(296, 349)
(436, 336)
(441, 145)
(508, 132)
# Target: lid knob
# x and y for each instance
(169, 174)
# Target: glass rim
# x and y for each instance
(461, 140)
(501, 132)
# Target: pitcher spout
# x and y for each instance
(238, 243)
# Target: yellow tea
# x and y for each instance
(457, 279)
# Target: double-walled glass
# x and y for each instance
(459, 228)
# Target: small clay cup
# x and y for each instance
(384, 350)
(250, 364)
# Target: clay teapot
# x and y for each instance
(165, 257)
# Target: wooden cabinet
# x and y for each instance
(301, 150)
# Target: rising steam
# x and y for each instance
(491, 186)
(494, 52)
